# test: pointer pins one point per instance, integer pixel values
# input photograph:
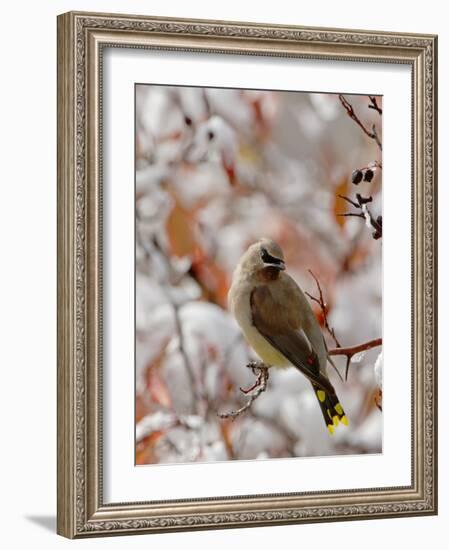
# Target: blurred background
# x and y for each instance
(216, 169)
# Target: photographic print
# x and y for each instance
(258, 274)
(232, 307)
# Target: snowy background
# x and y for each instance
(216, 169)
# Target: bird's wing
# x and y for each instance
(278, 322)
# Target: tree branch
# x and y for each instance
(320, 301)
(349, 352)
(361, 204)
(186, 360)
(352, 350)
(260, 370)
(351, 113)
(374, 104)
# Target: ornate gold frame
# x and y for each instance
(81, 37)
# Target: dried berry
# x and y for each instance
(357, 177)
(369, 175)
(188, 120)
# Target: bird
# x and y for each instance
(279, 324)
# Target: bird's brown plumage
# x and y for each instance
(281, 325)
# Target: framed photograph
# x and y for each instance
(247, 274)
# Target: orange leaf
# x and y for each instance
(145, 448)
(141, 408)
(213, 280)
(340, 205)
(226, 430)
(180, 231)
(158, 389)
(154, 382)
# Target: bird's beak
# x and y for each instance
(280, 265)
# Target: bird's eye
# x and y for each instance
(210, 135)
(264, 255)
(268, 258)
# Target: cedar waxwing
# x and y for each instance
(279, 324)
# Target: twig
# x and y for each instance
(185, 357)
(352, 214)
(374, 104)
(351, 113)
(349, 352)
(320, 301)
(352, 350)
(260, 370)
(256, 384)
(376, 223)
(360, 200)
(372, 165)
(376, 136)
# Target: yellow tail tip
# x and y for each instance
(330, 428)
(339, 409)
(335, 420)
(321, 395)
(344, 420)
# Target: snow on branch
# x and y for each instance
(364, 212)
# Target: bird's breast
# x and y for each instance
(241, 308)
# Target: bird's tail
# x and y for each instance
(331, 408)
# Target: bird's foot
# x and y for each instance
(260, 370)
